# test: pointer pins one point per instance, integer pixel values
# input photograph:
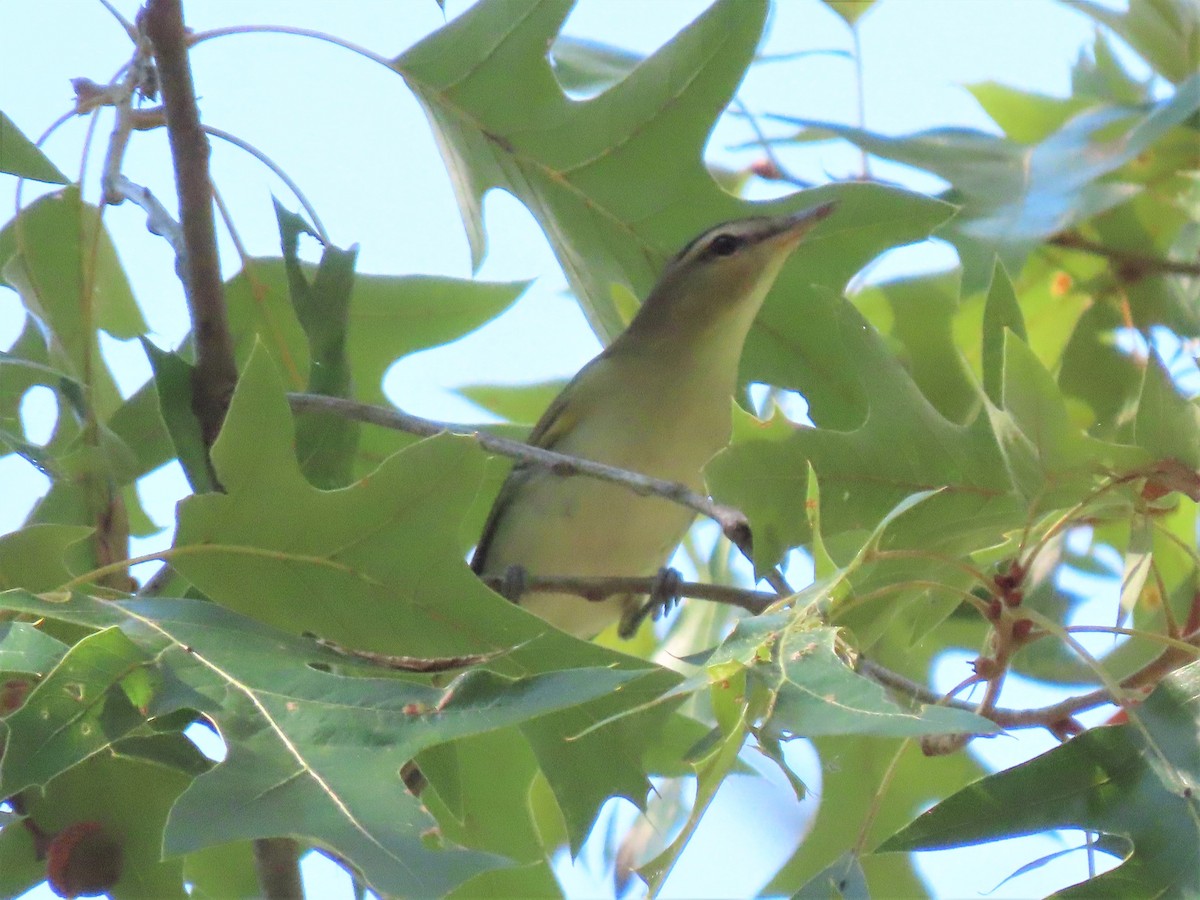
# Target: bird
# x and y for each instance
(658, 401)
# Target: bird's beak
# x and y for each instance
(794, 227)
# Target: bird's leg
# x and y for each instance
(514, 583)
(663, 596)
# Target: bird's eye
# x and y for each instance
(724, 245)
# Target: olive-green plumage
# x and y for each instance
(657, 400)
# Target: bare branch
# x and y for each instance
(216, 373)
(600, 588)
(732, 522)
(1130, 265)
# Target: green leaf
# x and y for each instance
(814, 693)
(584, 66)
(19, 156)
(1167, 425)
(1165, 32)
(72, 713)
(315, 748)
(1102, 76)
(1024, 116)
(325, 444)
(1001, 313)
(922, 315)
(901, 446)
(378, 561)
(173, 385)
(850, 10)
(710, 774)
(129, 798)
(390, 317)
(573, 163)
(28, 650)
(1045, 451)
(1134, 781)
(224, 872)
(58, 256)
(523, 403)
(139, 424)
(33, 558)
(561, 158)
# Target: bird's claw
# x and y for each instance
(664, 595)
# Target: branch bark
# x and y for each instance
(1130, 265)
(215, 375)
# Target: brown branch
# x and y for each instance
(277, 867)
(1052, 716)
(215, 374)
(595, 589)
(1131, 265)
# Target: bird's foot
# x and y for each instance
(664, 595)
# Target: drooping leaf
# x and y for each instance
(173, 387)
(325, 443)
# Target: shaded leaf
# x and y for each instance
(173, 385)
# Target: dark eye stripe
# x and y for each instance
(723, 245)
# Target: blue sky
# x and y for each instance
(352, 135)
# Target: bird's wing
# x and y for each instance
(555, 422)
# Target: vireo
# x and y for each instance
(658, 401)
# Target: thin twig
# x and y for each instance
(216, 372)
(202, 36)
(1046, 716)
(599, 588)
(283, 176)
(732, 522)
(1133, 265)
